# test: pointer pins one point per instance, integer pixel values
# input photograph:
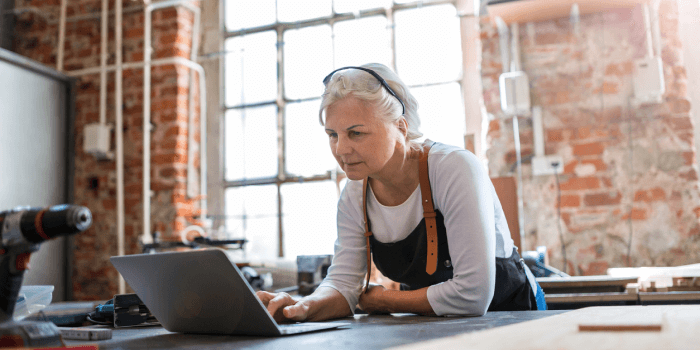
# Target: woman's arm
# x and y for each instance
(322, 304)
(463, 193)
(381, 300)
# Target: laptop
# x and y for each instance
(201, 291)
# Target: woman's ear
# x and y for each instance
(403, 126)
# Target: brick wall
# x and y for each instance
(629, 171)
(36, 36)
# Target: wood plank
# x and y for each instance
(584, 281)
(669, 296)
(619, 328)
(588, 297)
(680, 329)
(524, 11)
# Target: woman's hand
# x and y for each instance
(283, 307)
(372, 300)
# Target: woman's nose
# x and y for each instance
(342, 147)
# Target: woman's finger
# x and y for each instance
(265, 297)
(296, 312)
(277, 304)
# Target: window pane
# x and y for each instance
(362, 41)
(428, 47)
(251, 68)
(249, 13)
(251, 213)
(309, 218)
(307, 60)
(343, 6)
(251, 143)
(441, 112)
(307, 150)
(295, 10)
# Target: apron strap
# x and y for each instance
(428, 209)
(428, 214)
(368, 232)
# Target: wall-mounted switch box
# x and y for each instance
(515, 93)
(97, 140)
(648, 80)
(547, 165)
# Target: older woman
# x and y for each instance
(427, 212)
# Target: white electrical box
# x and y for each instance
(648, 80)
(97, 140)
(515, 93)
(547, 165)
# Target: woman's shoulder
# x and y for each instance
(451, 157)
(352, 193)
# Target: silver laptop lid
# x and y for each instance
(197, 291)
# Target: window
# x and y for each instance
(282, 183)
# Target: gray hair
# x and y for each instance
(365, 87)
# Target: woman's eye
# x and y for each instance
(332, 135)
(355, 133)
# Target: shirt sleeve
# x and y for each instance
(349, 264)
(461, 190)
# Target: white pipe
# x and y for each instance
(647, 30)
(103, 62)
(656, 30)
(61, 36)
(190, 132)
(503, 44)
(118, 100)
(147, 51)
(538, 131)
(515, 46)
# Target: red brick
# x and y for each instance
(636, 214)
(581, 183)
(589, 149)
(596, 268)
(690, 175)
(555, 135)
(570, 200)
(680, 105)
(605, 198)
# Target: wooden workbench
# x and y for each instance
(364, 332)
(678, 328)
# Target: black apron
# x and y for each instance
(405, 262)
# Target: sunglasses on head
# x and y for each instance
(374, 74)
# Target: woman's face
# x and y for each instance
(361, 143)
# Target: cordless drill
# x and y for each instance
(22, 230)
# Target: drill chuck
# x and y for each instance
(41, 224)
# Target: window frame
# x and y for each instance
(281, 101)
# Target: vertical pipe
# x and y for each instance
(147, 238)
(515, 46)
(190, 117)
(656, 30)
(538, 131)
(647, 30)
(521, 214)
(281, 173)
(61, 36)
(503, 44)
(119, 135)
(103, 63)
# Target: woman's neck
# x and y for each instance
(398, 180)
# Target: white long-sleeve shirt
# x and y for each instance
(477, 232)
